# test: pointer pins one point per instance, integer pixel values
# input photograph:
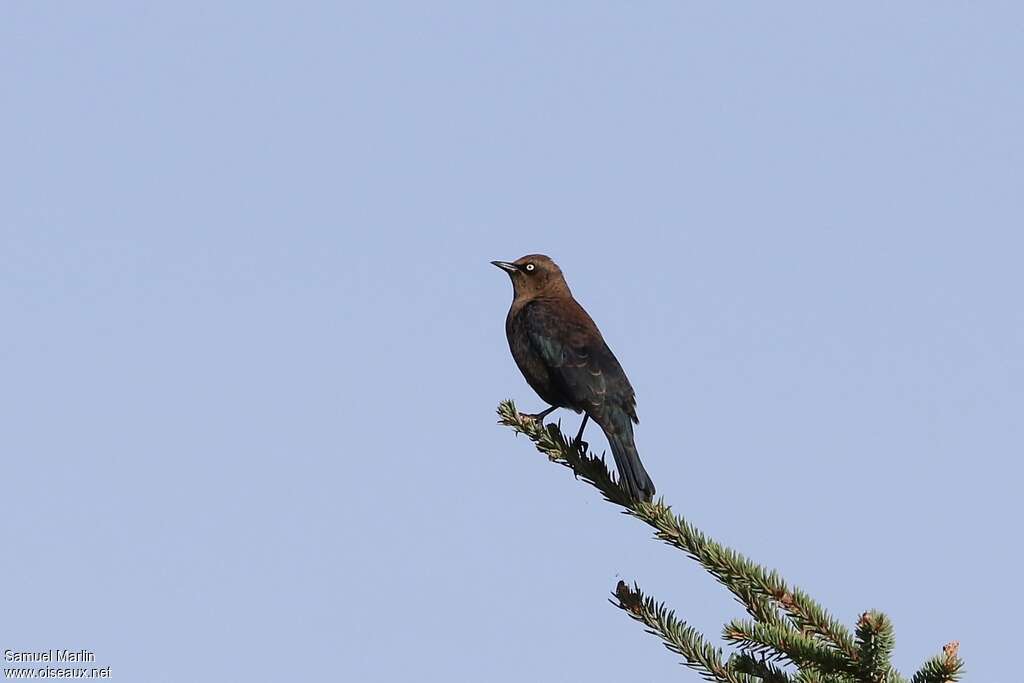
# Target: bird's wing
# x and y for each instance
(577, 357)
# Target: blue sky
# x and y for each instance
(253, 345)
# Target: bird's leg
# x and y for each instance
(579, 437)
(539, 417)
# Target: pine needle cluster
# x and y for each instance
(788, 637)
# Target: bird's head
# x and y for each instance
(534, 275)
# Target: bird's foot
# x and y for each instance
(539, 417)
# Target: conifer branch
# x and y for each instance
(810, 617)
(760, 667)
(875, 641)
(756, 589)
(812, 676)
(678, 636)
(782, 642)
(808, 637)
(943, 668)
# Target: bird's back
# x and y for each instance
(561, 352)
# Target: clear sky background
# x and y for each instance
(252, 345)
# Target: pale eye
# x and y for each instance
(529, 267)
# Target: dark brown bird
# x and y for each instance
(565, 359)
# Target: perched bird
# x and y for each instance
(565, 359)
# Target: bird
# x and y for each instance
(564, 358)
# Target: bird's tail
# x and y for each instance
(632, 475)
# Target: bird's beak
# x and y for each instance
(506, 266)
